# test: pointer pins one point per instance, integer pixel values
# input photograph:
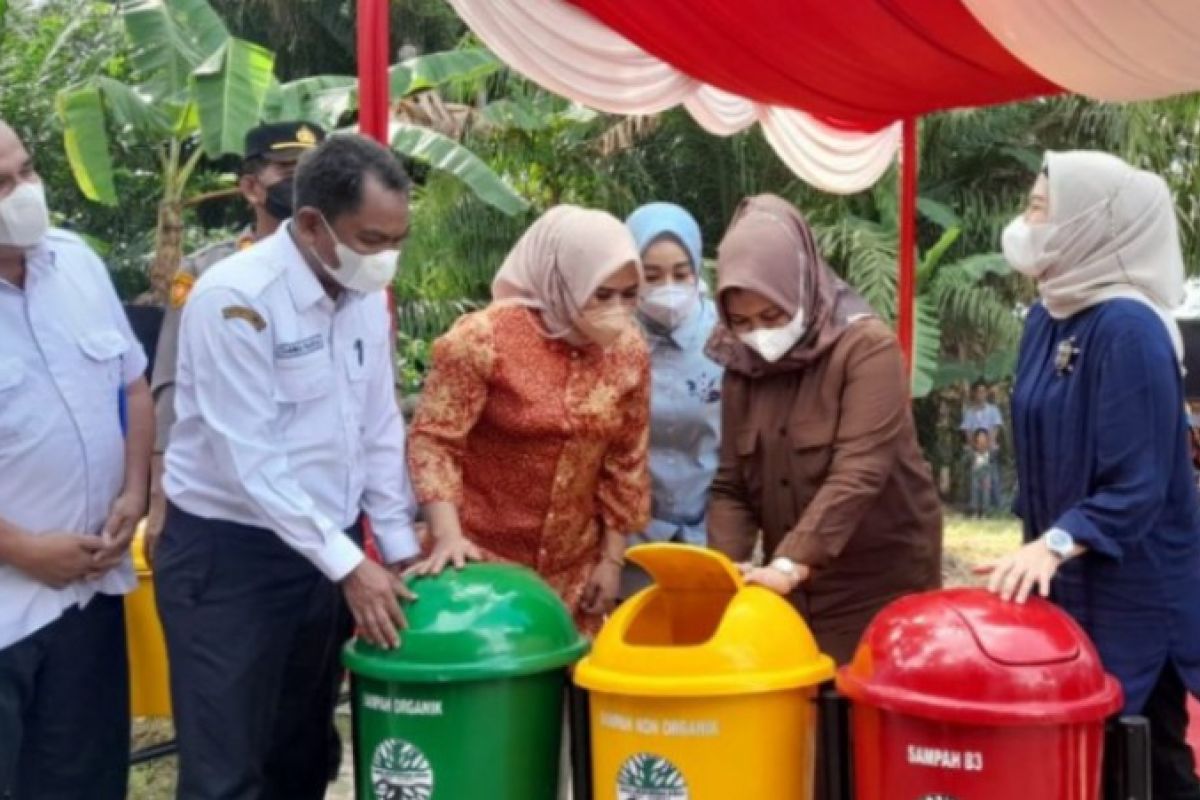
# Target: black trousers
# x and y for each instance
(64, 708)
(254, 635)
(1172, 764)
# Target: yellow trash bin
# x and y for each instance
(701, 688)
(149, 691)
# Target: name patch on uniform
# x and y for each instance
(301, 348)
(246, 313)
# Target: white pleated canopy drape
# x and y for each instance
(1106, 49)
(570, 53)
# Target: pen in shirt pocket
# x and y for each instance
(358, 347)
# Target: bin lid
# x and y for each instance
(483, 621)
(966, 656)
(699, 631)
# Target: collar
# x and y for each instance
(303, 285)
(40, 260)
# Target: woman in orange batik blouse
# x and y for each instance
(530, 441)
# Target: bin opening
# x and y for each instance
(677, 619)
(692, 589)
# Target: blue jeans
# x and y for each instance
(983, 483)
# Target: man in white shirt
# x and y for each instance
(287, 432)
(74, 487)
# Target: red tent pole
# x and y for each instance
(373, 69)
(906, 285)
(373, 105)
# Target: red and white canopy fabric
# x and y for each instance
(827, 81)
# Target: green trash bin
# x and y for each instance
(471, 703)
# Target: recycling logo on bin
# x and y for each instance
(399, 771)
(646, 776)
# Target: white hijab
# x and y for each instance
(1115, 236)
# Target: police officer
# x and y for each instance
(73, 490)
(288, 431)
(266, 183)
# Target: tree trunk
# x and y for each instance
(168, 248)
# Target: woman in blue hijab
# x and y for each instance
(685, 399)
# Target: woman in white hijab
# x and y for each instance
(1110, 511)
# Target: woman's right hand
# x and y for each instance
(451, 546)
(456, 550)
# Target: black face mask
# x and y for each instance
(280, 199)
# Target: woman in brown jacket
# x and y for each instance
(818, 448)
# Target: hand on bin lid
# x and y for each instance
(482, 622)
(965, 655)
(699, 631)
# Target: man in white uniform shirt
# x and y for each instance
(287, 432)
(74, 486)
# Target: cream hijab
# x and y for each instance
(1115, 237)
(559, 262)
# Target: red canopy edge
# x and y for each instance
(866, 63)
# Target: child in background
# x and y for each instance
(980, 458)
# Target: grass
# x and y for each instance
(976, 542)
(968, 543)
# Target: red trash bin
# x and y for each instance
(958, 695)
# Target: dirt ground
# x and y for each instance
(969, 543)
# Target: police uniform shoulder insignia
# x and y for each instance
(181, 287)
(246, 313)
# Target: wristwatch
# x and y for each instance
(786, 566)
(1060, 543)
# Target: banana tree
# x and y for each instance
(327, 99)
(959, 312)
(197, 91)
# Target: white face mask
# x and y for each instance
(605, 325)
(774, 343)
(1024, 246)
(24, 218)
(669, 305)
(359, 272)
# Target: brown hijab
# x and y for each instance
(769, 249)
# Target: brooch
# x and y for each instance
(1064, 357)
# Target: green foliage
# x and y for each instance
(58, 43)
(230, 87)
(456, 245)
(314, 37)
(443, 153)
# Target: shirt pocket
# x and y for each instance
(104, 352)
(357, 365)
(303, 380)
(812, 446)
(15, 404)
